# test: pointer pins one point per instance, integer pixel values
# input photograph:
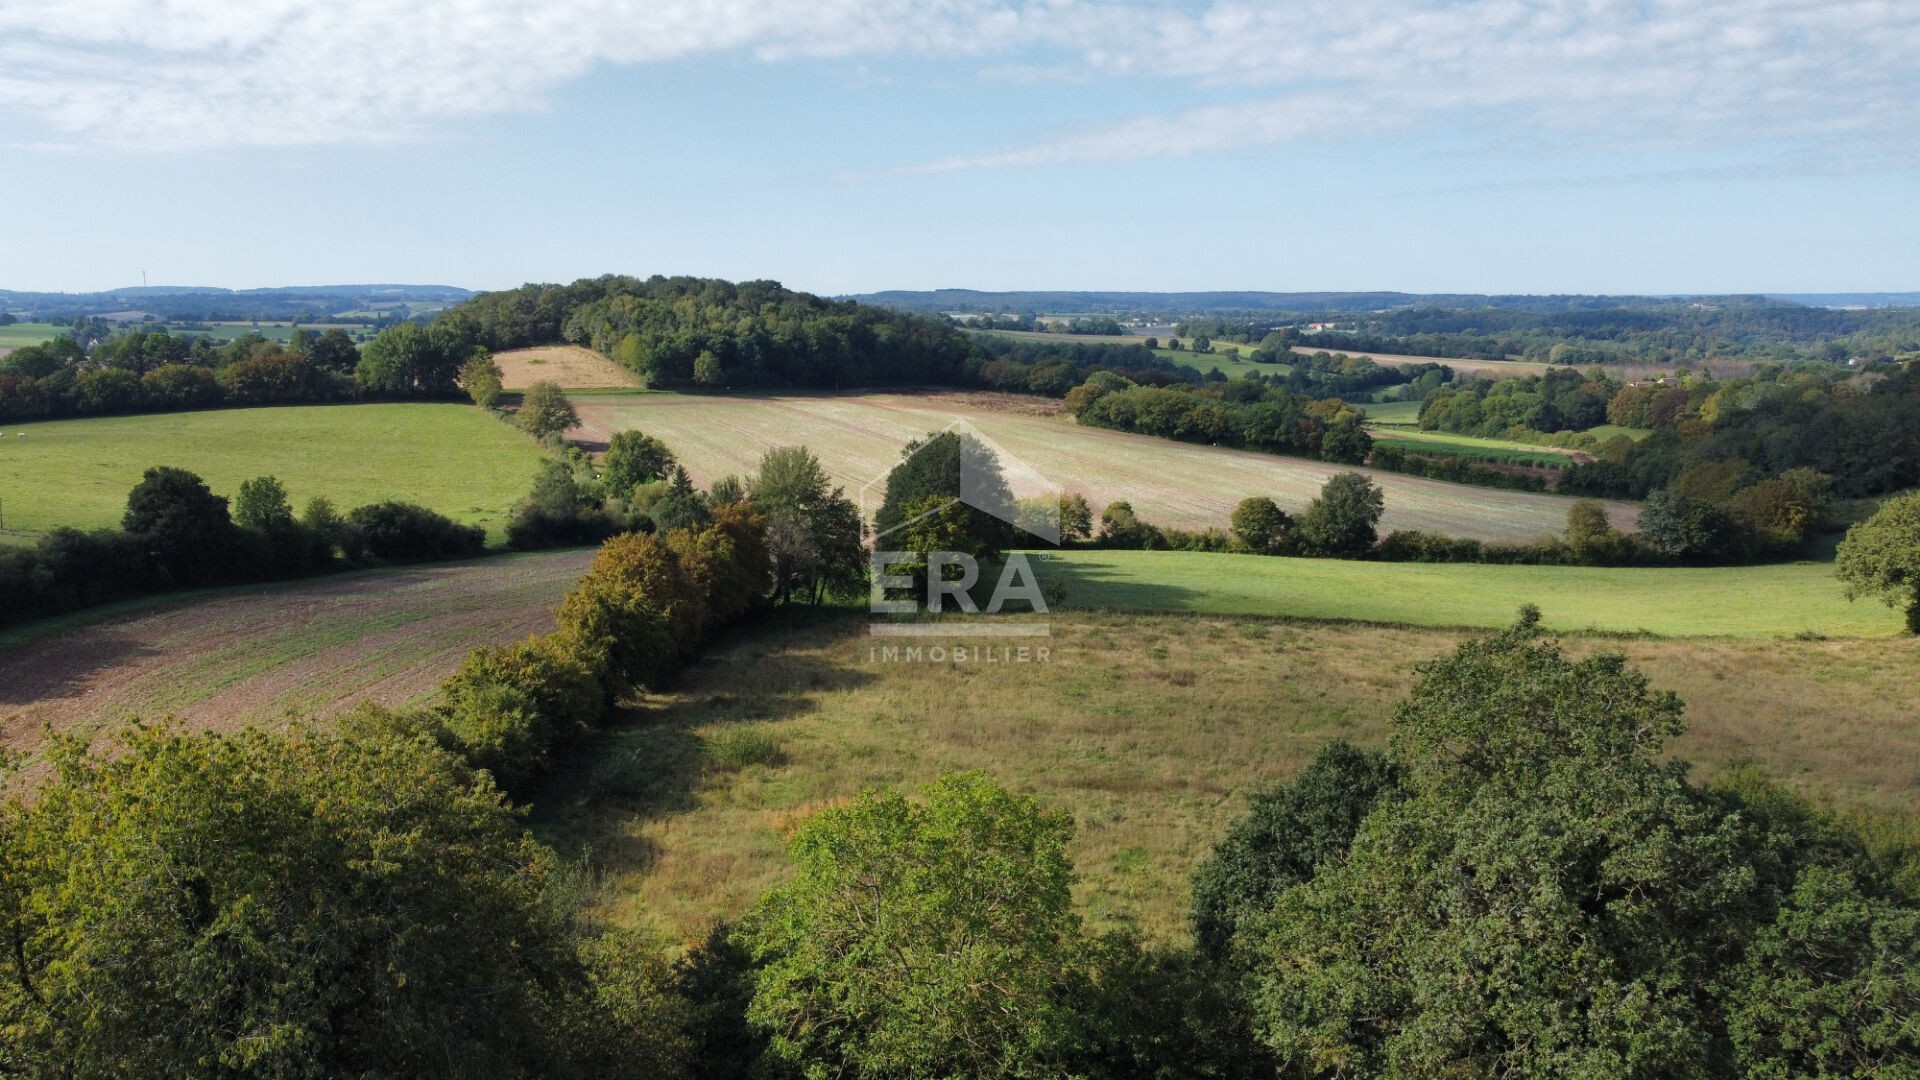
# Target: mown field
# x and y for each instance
(18, 334)
(456, 459)
(858, 438)
(571, 366)
(1467, 446)
(1151, 730)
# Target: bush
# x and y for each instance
(403, 532)
(634, 614)
(508, 708)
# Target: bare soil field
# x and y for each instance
(261, 654)
(571, 366)
(859, 437)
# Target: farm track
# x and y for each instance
(260, 655)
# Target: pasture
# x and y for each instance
(1467, 446)
(1066, 339)
(1769, 601)
(25, 333)
(1151, 730)
(858, 439)
(571, 366)
(456, 459)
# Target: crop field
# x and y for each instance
(1150, 730)
(456, 459)
(1771, 601)
(571, 366)
(858, 439)
(255, 654)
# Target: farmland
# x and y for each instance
(452, 458)
(1737, 601)
(1467, 446)
(1149, 729)
(858, 438)
(571, 366)
(18, 334)
(255, 654)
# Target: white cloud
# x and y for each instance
(1629, 73)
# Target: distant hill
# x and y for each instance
(1175, 304)
(196, 302)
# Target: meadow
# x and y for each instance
(1150, 730)
(1468, 446)
(25, 333)
(456, 459)
(858, 439)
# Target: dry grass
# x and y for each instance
(573, 367)
(1149, 729)
(858, 438)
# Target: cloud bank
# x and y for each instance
(1639, 74)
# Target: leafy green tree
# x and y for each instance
(707, 370)
(262, 905)
(1590, 535)
(1076, 517)
(334, 351)
(632, 459)
(1880, 557)
(185, 525)
(634, 615)
(920, 937)
(545, 411)
(814, 530)
(1121, 528)
(953, 467)
(1261, 526)
(1686, 528)
(262, 504)
(408, 359)
(1344, 521)
(480, 378)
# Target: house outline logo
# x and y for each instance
(1023, 482)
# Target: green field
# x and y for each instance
(455, 459)
(1778, 600)
(1394, 413)
(1466, 446)
(284, 331)
(1183, 485)
(12, 337)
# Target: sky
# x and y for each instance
(1534, 146)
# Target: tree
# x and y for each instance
(545, 411)
(924, 937)
(1880, 557)
(1545, 895)
(480, 378)
(1686, 528)
(1076, 517)
(1343, 522)
(410, 360)
(634, 615)
(253, 904)
(632, 459)
(814, 531)
(953, 467)
(334, 351)
(185, 525)
(1121, 528)
(1261, 526)
(707, 370)
(1590, 534)
(262, 504)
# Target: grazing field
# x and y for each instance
(858, 438)
(1229, 360)
(1151, 730)
(456, 459)
(1495, 369)
(571, 366)
(255, 654)
(1067, 339)
(18, 334)
(1393, 413)
(1772, 601)
(284, 331)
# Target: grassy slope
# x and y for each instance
(858, 438)
(1466, 446)
(20, 334)
(1743, 601)
(1151, 730)
(452, 458)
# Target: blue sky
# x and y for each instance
(850, 145)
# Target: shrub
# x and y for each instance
(403, 532)
(508, 708)
(635, 613)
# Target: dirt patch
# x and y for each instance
(263, 656)
(571, 366)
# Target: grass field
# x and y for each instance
(12, 337)
(455, 459)
(1494, 450)
(1151, 730)
(284, 331)
(1774, 601)
(1067, 339)
(571, 366)
(858, 438)
(1393, 413)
